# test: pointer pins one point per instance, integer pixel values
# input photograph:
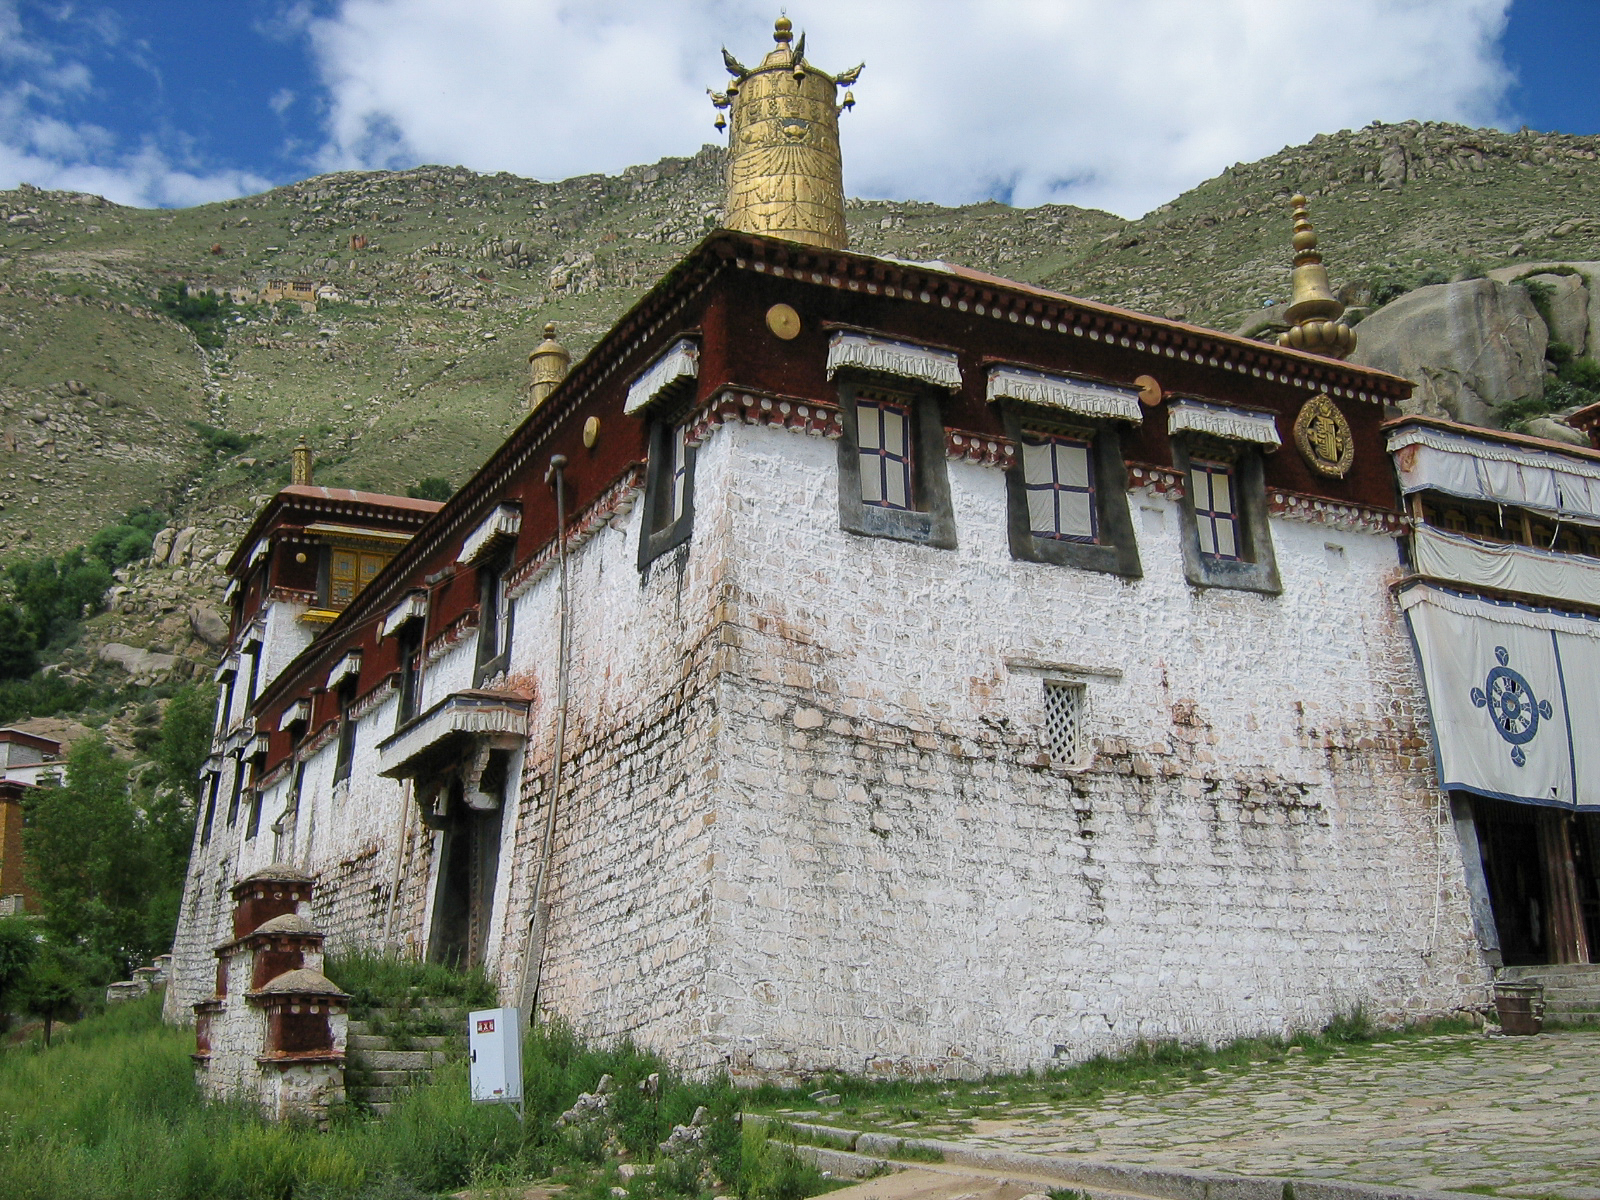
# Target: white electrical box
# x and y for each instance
(494, 1044)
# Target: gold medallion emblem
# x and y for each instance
(1323, 437)
(783, 321)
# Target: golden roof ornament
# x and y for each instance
(547, 367)
(785, 177)
(300, 471)
(1314, 310)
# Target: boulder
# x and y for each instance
(161, 546)
(1589, 272)
(180, 546)
(1569, 309)
(208, 626)
(142, 664)
(1469, 347)
(1558, 430)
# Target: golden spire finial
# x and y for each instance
(300, 472)
(547, 367)
(785, 178)
(1314, 310)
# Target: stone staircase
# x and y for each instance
(1571, 990)
(392, 1049)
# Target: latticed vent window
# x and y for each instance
(1064, 712)
(885, 441)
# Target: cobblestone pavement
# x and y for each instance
(1515, 1116)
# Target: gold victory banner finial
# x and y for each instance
(300, 469)
(1314, 310)
(547, 367)
(785, 177)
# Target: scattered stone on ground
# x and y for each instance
(1517, 1116)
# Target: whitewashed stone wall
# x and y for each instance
(806, 823)
(1254, 847)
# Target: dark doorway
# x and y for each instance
(1541, 867)
(464, 896)
(1508, 835)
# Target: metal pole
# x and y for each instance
(538, 920)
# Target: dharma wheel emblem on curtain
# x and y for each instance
(1512, 705)
(1322, 436)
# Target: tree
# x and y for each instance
(19, 946)
(56, 593)
(19, 649)
(431, 488)
(186, 739)
(50, 990)
(89, 851)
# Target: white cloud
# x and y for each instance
(1118, 105)
(39, 147)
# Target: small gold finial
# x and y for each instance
(300, 472)
(1314, 310)
(785, 177)
(547, 367)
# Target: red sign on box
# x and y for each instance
(486, 1026)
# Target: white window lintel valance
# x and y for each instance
(413, 608)
(349, 665)
(1223, 421)
(681, 361)
(504, 522)
(1085, 397)
(888, 357)
(297, 713)
(1436, 460)
(227, 669)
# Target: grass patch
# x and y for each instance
(112, 1111)
(951, 1106)
(382, 981)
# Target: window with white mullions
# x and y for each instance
(884, 440)
(1216, 509)
(680, 471)
(1058, 475)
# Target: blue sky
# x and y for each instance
(1120, 106)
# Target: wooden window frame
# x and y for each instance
(931, 519)
(668, 490)
(1256, 568)
(1115, 550)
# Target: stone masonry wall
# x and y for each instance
(904, 887)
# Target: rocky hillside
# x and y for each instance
(438, 278)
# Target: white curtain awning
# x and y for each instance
(503, 523)
(229, 592)
(228, 669)
(257, 748)
(257, 553)
(680, 362)
(349, 665)
(1514, 693)
(1524, 570)
(413, 608)
(1085, 397)
(297, 713)
(888, 357)
(1436, 460)
(1223, 421)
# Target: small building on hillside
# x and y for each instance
(26, 761)
(853, 664)
(29, 757)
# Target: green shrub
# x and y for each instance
(376, 980)
(431, 488)
(222, 441)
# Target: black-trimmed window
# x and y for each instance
(410, 671)
(346, 753)
(892, 478)
(1226, 539)
(494, 618)
(214, 785)
(1214, 489)
(254, 651)
(225, 715)
(253, 826)
(1068, 494)
(668, 492)
(235, 793)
